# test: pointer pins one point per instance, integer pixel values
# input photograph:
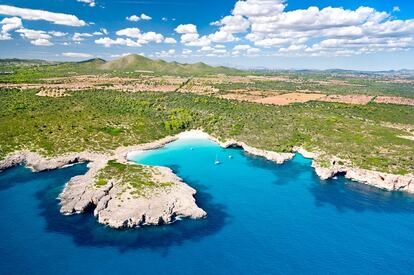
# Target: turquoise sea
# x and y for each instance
(263, 218)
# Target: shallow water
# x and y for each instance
(263, 218)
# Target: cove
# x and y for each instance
(263, 218)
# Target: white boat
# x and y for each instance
(230, 156)
(217, 162)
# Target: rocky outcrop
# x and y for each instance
(279, 158)
(38, 163)
(305, 153)
(380, 180)
(120, 209)
(112, 205)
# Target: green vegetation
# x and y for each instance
(104, 120)
(128, 66)
(135, 179)
(137, 62)
(326, 84)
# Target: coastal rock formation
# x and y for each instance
(279, 158)
(37, 163)
(120, 209)
(170, 199)
(114, 207)
(380, 180)
(305, 153)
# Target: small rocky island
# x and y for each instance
(122, 194)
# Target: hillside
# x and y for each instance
(140, 63)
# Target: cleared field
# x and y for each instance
(57, 86)
(395, 100)
(289, 98)
(348, 99)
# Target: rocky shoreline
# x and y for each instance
(112, 206)
(385, 181)
(118, 209)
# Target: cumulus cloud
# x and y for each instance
(233, 24)
(41, 42)
(9, 24)
(170, 40)
(190, 36)
(186, 52)
(57, 33)
(168, 53)
(313, 30)
(108, 42)
(135, 38)
(186, 29)
(262, 8)
(32, 14)
(136, 18)
(222, 36)
(77, 55)
(36, 37)
(77, 37)
(91, 3)
(142, 37)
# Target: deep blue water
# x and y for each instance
(263, 219)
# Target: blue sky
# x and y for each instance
(279, 34)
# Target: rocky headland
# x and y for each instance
(380, 180)
(169, 199)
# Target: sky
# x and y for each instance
(274, 34)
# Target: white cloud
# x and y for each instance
(32, 14)
(130, 32)
(91, 3)
(136, 18)
(396, 9)
(186, 29)
(145, 17)
(135, 38)
(241, 47)
(233, 24)
(104, 31)
(108, 42)
(57, 33)
(222, 36)
(77, 37)
(198, 42)
(41, 42)
(77, 55)
(187, 52)
(142, 38)
(9, 24)
(33, 34)
(170, 40)
(151, 37)
(259, 7)
(168, 53)
(269, 25)
(253, 51)
(190, 36)
(133, 18)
